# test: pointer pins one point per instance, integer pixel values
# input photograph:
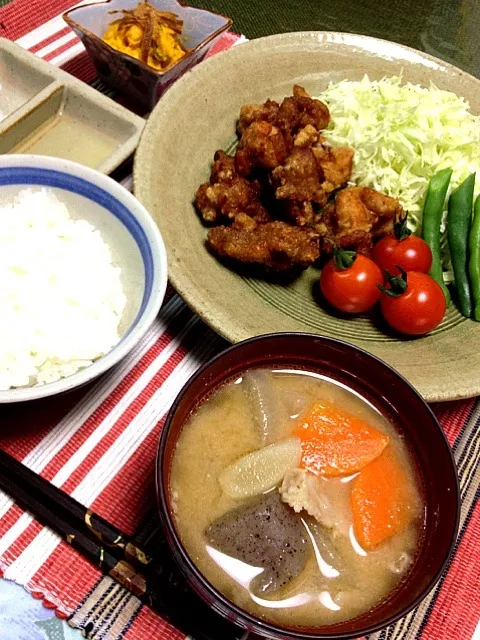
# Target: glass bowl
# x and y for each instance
(131, 77)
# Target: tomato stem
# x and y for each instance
(400, 228)
(343, 259)
(398, 284)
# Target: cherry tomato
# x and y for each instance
(412, 254)
(419, 309)
(352, 289)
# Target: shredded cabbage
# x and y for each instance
(403, 134)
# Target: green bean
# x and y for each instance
(459, 222)
(474, 265)
(432, 219)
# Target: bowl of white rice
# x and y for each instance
(83, 273)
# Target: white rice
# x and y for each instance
(61, 298)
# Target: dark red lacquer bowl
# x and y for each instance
(396, 399)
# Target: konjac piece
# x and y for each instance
(267, 534)
(274, 245)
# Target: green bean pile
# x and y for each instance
(463, 235)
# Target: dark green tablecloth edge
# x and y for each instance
(447, 29)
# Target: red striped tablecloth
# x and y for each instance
(99, 443)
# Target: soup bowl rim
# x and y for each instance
(193, 574)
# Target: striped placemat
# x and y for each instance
(99, 445)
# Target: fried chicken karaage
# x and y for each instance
(336, 164)
(300, 110)
(284, 193)
(269, 131)
(262, 146)
(293, 114)
(228, 194)
(249, 113)
(356, 217)
(275, 245)
(299, 178)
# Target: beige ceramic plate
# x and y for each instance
(197, 116)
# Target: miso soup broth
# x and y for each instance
(296, 498)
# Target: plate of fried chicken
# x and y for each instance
(282, 200)
(251, 199)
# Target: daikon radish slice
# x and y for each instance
(260, 470)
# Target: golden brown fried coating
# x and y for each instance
(358, 215)
(294, 114)
(223, 168)
(275, 245)
(282, 163)
(351, 212)
(359, 241)
(300, 110)
(228, 194)
(301, 214)
(262, 146)
(254, 112)
(385, 226)
(306, 137)
(299, 178)
(360, 208)
(382, 205)
(336, 163)
(242, 221)
(300, 92)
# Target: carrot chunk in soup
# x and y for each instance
(273, 538)
(381, 500)
(335, 443)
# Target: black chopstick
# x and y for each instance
(43, 493)
(73, 522)
(72, 532)
(108, 548)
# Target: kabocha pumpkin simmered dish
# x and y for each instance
(303, 506)
(147, 34)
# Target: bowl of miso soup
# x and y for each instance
(306, 489)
